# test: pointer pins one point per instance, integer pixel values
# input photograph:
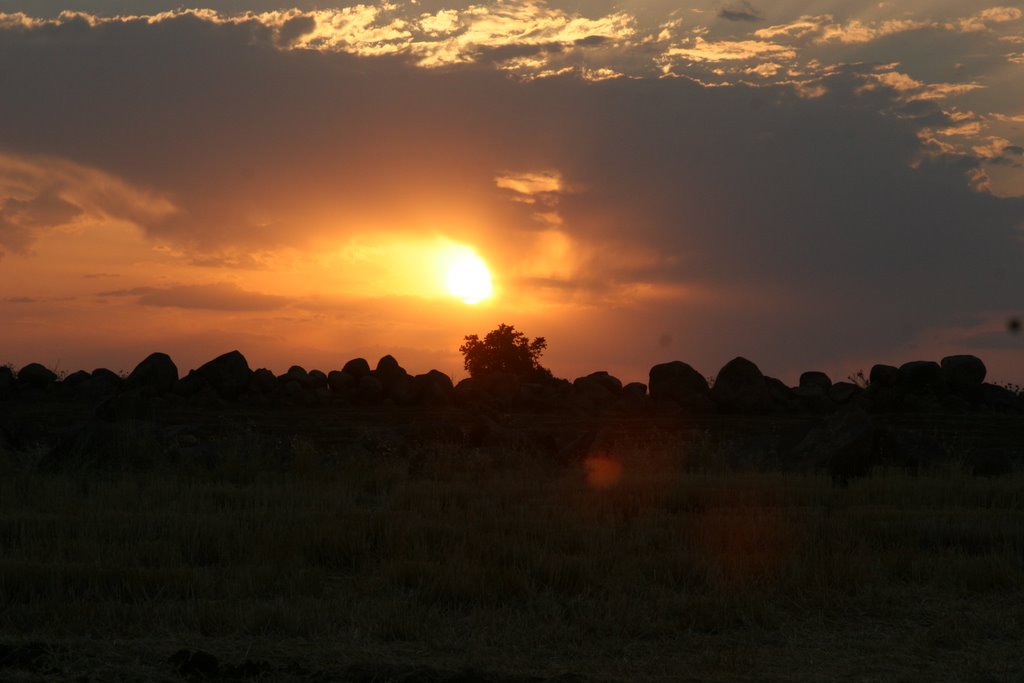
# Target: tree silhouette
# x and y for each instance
(504, 350)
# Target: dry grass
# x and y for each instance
(632, 567)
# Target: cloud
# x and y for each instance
(701, 50)
(742, 11)
(40, 193)
(221, 296)
(824, 28)
(911, 89)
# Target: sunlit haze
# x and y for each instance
(811, 188)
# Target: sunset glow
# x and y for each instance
(636, 182)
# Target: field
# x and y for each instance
(449, 563)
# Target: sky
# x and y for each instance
(811, 186)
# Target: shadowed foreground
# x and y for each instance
(457, 564)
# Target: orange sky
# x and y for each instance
(809, 191)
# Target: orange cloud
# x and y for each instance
(39, 193)
(701, 50)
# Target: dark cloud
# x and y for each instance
(814, 226)
(222, 296)
(742, 11)
(21, 219)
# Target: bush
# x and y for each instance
(504, 350)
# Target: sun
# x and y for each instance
(469, 279)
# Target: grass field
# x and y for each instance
(630, 567)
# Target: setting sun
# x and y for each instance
(469, 279)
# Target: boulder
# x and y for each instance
(75, 379)
(679, 382)
(813, 378)
(740, 387)
(295, 373)
(228, 374)
(844, 392)
(156, 375)
(963, 373)
(435, 388)
(341, 383)
(635, 390)
(191, 384)
(388, 371)
(369, 390)
(357, 367)
(36, 376)
(883, 376)
(263, 381)
(782, 396)
(298, 394)
(597, 388)
(995, 397)
(814, 398)
(919, 376)
(316, 379)
(403, 390)
(8, 383)
(102, 384)
(611, 383)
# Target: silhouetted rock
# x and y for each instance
(192, 384)
(814, 399)
(844, 392)
(263, 381)
(102, 383)
(815, 379)
(341, 383)
(157, 374)
(369, 390)
(919, 376)
(782, 397)
(75, 379)
(634, 399)
(316, 379)
(502, 386)
(883, 376)
(8, 383)
(679, 382)
(357, 367)
(610, 382)
(995, 397)
(740, 387)
(36, 376)
(295, 373)
(963, 373)
(298, 394)
(228, 374)
(597, 389)
(435, 388)
(403, 390)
